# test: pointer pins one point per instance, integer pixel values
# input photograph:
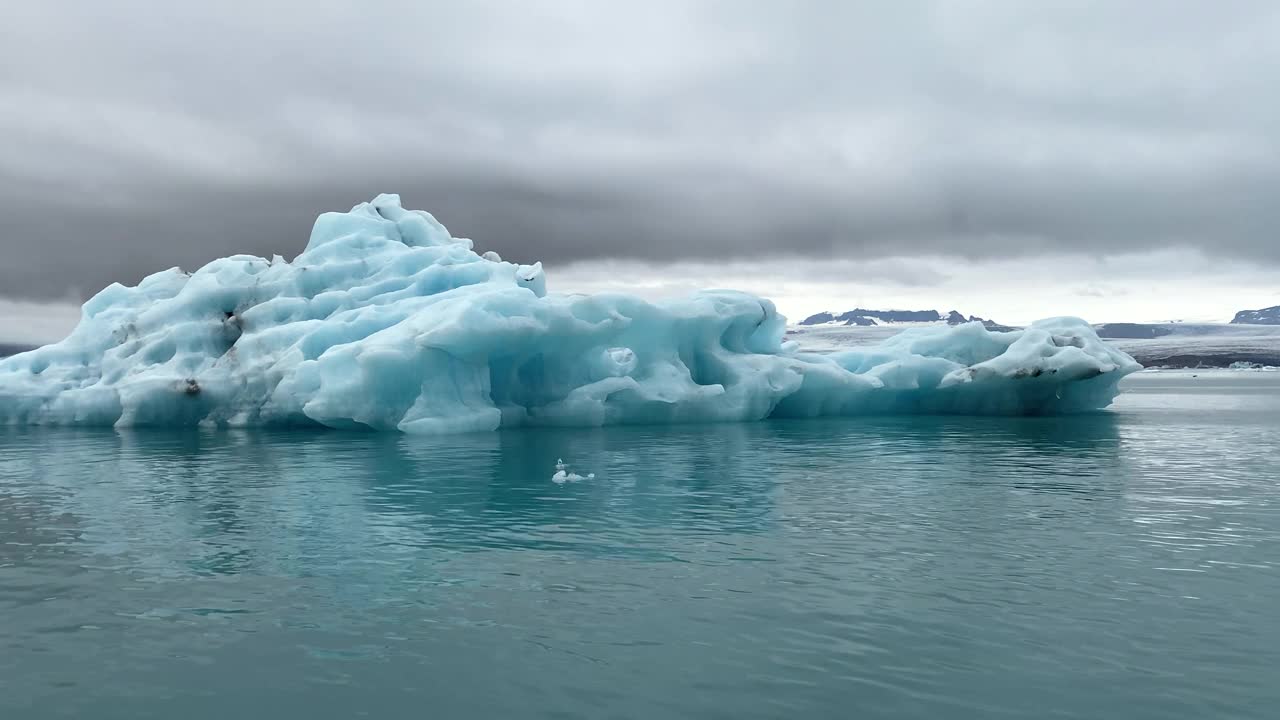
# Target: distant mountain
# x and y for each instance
(7, 350)
(1265, 316)
(868, 318)
(1131, 331)
(1178, 344)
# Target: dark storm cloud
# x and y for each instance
(141, 135)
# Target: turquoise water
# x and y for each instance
(1118, 565)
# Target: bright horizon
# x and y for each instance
(1011, 292)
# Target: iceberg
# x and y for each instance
(387, 322)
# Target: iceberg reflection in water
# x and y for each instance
(891, 567)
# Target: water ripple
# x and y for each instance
(1082, 567)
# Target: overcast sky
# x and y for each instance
(1119, 161)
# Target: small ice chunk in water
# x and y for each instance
(563, 475)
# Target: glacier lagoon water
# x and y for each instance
(1121, 564)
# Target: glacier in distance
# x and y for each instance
(387, 322)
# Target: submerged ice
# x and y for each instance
(385, 321)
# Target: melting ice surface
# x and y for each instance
(385, 321)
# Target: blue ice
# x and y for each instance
(385, 321)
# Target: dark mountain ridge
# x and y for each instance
(867, 318)
(1264, 316)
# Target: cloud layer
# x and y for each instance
(141, 135)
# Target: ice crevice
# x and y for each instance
(387, 322)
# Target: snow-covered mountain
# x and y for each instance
(1133, 331)
(1265, 316)
(1175, 344)
(869, 318)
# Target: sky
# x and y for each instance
(1117, 161)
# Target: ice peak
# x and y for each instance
(384, 218)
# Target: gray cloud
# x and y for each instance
(141, 135)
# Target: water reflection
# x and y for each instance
(911, 566)
(223, 502)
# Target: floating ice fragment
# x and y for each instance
(563, 475)
(385, 321)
